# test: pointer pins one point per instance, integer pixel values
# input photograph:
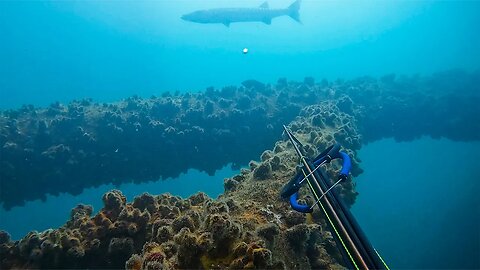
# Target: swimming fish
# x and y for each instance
(230, 15)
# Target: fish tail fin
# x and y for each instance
(293, 10)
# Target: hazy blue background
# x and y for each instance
(419, 202)
(61, 50)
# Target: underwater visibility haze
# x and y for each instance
(106, 50)
(191, 134)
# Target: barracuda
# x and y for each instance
(230, 15)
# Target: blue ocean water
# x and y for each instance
(415, 208)
(419, 202)
(107, 50)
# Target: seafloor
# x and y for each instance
(67, 148)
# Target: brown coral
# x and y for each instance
(248, 226)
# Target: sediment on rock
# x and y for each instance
(248, 226)
(87, 144)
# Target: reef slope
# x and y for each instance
(246, 227)
(66, 148)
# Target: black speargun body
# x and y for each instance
(356, 249)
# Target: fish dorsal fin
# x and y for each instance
(264, 5)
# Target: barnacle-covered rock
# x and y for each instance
(4, 237)
(262, 257)
(268, 231)
(293, 218)
(183, 221)
(114, 200)
(84, 144)
(134, 263)
(263, 171)
(81, 210)
(145, 201)
(230, 184)
(223, 229)
(297, 236)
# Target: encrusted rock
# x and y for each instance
(268, 231)
(263, 171)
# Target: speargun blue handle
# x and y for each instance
(299, 207)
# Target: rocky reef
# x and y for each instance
(65, 148)
(246, 227)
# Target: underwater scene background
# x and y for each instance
(104, 95)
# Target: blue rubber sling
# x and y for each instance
(354, 245)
